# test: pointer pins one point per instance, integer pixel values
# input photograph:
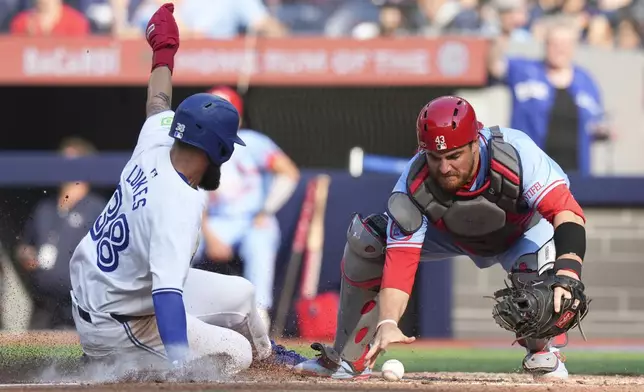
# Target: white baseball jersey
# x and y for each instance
(144, 239)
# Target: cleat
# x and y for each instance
(283, 356)
(546, 364)
(345, 371)
(329, 364)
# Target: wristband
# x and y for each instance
(570, 237)
(568, 264)
(387, 321)
(163, 56)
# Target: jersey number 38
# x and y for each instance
(111, 233)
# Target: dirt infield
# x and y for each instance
(420, 381)
(43, 375)
(37, 375)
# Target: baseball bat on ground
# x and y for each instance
(295, 261)
(315, 241)
(316, 313)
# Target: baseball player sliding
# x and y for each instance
(487, 193)
(134, 296)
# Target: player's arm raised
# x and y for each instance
(162, 34)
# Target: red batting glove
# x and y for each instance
(162, 34)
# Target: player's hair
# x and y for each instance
(83, 146)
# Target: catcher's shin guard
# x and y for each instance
(362, 267)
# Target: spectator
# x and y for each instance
(50, 18)
(512, 20)
(220, 19)
(468, 20)
(438, 15)
(600, 32)
(578, 11)
(555, 102)
(349, 15)
(542, 8)
(110, 16)
(611, 8)
(393, 21)
(142, 13)
(50, 236)
(303, 17)
(629, 34)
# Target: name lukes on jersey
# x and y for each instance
(137, 180)
(143, 240)
(517, 186)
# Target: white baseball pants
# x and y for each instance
(222, 323)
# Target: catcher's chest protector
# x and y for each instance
(478, 222)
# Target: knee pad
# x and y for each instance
(364, 252)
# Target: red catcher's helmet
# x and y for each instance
(231, 96)
(445, 123)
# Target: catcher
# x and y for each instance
(487, 193)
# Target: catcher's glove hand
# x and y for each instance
(528, 309)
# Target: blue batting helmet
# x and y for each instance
(209, 123)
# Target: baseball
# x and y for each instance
(393, 370)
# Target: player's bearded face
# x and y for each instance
(454, 168)
(210, 179)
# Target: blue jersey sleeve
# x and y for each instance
(589, 98)
(171, 321)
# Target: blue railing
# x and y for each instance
(34, 169)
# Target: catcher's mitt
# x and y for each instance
(528, 308)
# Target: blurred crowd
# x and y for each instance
(604, 23)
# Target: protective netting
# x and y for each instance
(318, 126)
